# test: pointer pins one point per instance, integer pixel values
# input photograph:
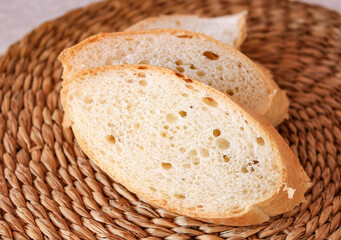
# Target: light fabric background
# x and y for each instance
(19, 17)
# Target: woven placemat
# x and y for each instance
(50, 190)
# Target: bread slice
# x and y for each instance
(196, 55)
(230, 29)
(182, 145)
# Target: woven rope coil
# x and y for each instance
(50, 190)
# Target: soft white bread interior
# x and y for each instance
(196, 55)
(182, 145)
(230, 29)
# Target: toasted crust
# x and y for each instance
(276, 108)
(294, 181)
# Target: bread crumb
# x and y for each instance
(290, 191)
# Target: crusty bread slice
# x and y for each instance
(182, 145)
(196, 55)
(230, 29)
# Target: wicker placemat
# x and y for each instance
(48, 188)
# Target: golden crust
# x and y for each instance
(292, 174)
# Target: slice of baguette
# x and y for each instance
(182, 145)
(230, 29)
(196, 55)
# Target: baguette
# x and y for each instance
(229, 29)
(196, 55)
(183, 145)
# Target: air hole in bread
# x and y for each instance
(153, 189)
(216, 132)
(163, 134)
(199, 206)
(183, 113)
(193, 153)
(144, 61)
(241, 129)
(111, 139)
(136, 126)
(260, 141)
(166, 127)
(204, 152)
(196, 162)
(210, 55)
(179, 75)
(142, 67)
(184, 36)
(200, 73)
(190, 87)
(171, 118)
(192, 67)
(141, 74)
(180, 69)
(230, 92)
(185, 95)
(179, 196)
(128, 39)
(249, 167)
(166, 166)
(219, 68)
(226, 158)
(178, 62)
(182, 150)
(88, 100)
(210, 102)
(143, 83)
(222, 143)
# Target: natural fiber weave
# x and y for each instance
(48, 188)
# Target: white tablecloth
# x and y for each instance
(18, 17)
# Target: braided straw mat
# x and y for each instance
(50, 190)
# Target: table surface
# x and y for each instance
(19, 17)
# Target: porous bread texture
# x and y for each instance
(182, 145)
(196, 55)
(229, 29)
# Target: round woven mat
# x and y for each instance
(50, 190)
